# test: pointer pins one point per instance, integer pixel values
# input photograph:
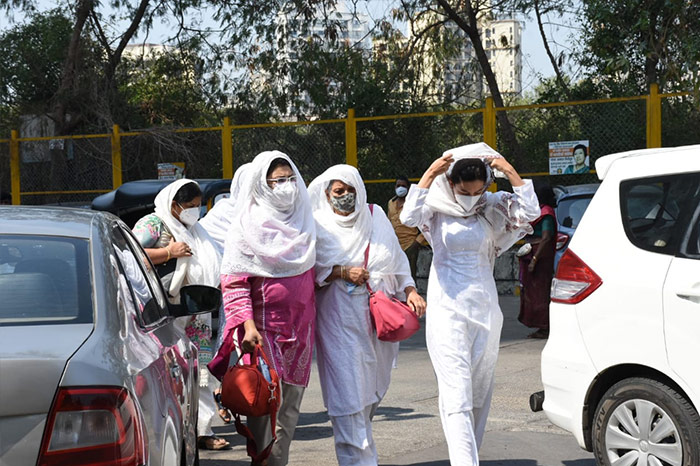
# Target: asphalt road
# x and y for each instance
(407, 427)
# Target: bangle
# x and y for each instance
(342, 272)
(167, 249)
(534, 258)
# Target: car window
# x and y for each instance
(151, 274)
(148, 307)
(655, 211)
(44, 280)
(571, 209)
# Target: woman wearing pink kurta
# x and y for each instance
(267, 281)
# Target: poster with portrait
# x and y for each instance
(569, 157)
(171, 171)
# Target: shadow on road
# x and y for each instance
(588, 462)
(388, 413)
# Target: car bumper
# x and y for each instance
(567, 372)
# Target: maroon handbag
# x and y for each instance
(392, 319)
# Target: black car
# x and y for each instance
(134, 199)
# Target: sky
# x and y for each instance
(536, 64)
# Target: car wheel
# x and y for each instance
(644, 422)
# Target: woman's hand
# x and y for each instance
(179, 249)
(415, 301)
(252, 337)
(436, 168)
(502, 165)
(356, 275)
(531, 265)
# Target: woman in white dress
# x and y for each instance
(354, 366)
(467, 226)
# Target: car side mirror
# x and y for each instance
(197, 299)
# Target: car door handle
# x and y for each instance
(690, 295)
(176, 371)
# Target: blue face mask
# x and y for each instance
(401, 191)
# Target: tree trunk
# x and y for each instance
(555, 66)
(471, 28)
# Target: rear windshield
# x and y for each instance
(571, 209)
(44, 281)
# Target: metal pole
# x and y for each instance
(14, 167)
(227, 149)
(351, 138)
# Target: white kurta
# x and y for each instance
(354, 366)
(463, 318)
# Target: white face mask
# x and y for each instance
(401, 191)
(284, 195)
(189, 216)
(467, 202)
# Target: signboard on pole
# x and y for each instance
(171, 171)
(569, 157)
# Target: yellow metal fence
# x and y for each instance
(76, 168)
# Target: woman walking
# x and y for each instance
(354, 366)
(467, 227)
(184, 254)
(537, 266)
(268, 285)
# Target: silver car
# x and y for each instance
(95, 366)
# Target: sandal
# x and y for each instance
(212, 442)
(224, 413)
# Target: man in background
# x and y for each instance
(410, 238)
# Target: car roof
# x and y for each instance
(139, 194)
(602, 165)
(53, 221)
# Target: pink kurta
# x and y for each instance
(284, 311)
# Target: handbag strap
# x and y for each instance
(371, 213)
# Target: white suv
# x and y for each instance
(621, 369)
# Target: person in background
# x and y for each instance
(467, 226)
(5, 198)
(537, 266)
(184, 254)
(267, 279)
(354, 366)
(410, 238)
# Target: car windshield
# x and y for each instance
(571, 209)
(44, 281)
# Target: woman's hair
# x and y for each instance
(278, 162)
(581, 146)
(468, 170)
(187, 192)
(545, 194)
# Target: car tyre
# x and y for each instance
(641, 421)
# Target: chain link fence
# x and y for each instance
(5, 180)
(142, 151)
(388, 148)
(681, 120)
(52, 170)
(312, 147)
(609, 127)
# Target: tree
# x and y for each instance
(631, 44)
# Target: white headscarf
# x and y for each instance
(264, 240)
(441, 197)
(342, 240)
(218, 220)
(201, 268)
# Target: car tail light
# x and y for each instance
(574, 280)
(562, 239)
(95, 426)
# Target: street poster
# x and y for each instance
(569, 157)
(171, 171)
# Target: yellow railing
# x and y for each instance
(227, 130)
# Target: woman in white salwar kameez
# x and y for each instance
(354, 366)
(467, 227)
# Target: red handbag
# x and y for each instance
(393, 320)
(245, 391)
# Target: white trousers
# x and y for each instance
(207, 405)
(287, 418)
(354, 444)
(464, 354)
